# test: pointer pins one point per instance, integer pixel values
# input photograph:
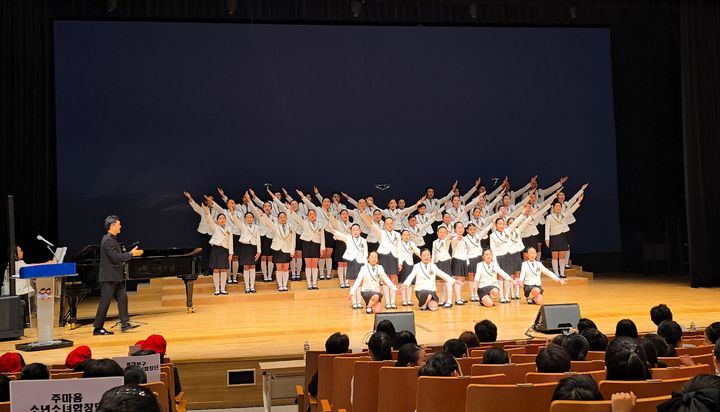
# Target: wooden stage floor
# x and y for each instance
(242, 329)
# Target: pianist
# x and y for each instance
(111, 277)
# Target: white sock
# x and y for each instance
(234, 270)
(562, 267)
(216, 281)
(292, 266)
(567, 255)
(328, 267)
(458, 291)
(246, 278)
(252, 278)
(555, 266)
(449, 294)
(321, 266)
(473, 289)
(314, 272)
(263, 268)
(270, 270)
(501, 287)
(508, 288)
(308, 276)
(341, 275)
(223, 281)
(539, 254)
(517, 291)
(298, 266)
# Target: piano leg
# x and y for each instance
(189, 283)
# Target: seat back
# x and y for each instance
(642, 389)
(398, 389)
(65, 375)
(539, 377)
(595, 355)
(675, 372)
(436, 393)
(514, 349)
(311, 364)
(585, 366)
(160, 392)
(477, 353)
(325, 374)
(641, 405)
(514, 372)
(523, 357)
(4, 406)
(467, 363)
(343, 369)
(706, 359)
(698, 350)
(526, 397)
(366, 385)
(670, 360)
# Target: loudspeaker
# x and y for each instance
(557, 318)
(400, 320)
(12, 317)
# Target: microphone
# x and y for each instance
(45, 240)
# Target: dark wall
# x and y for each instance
(646, 69)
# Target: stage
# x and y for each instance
(238, 331)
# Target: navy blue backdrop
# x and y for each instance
(147, 110)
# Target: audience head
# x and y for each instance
(34, 371)
(716, 353)
(440, 364)
(626, 327)
(625, 360)
(337, 343)
(81, 366)
(128, 398)
(671, 332)
(100, 368)
(387, 327)
(597, 341)
(577, 388)
(403, 337)
(701, 393)
(650, 352)
(380, 346)
(456, 347)
(712, 332)
(77, 355)
(552, 359)
(4, 388)
(661, 347)
(11, 362)
(134, 375)
(558, 340)
(410, 354)
(496, 356)
(660, 313)
(576, 346)
(486, 331)
(470, 339)
(585, 323)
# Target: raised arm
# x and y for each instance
(370, 224)
(553, 188)
(255, 198)
(496, 200)
(578, 194)
(305, 200)
(193, 205)
(464, 198)
(222, 194)
(514, 194)
(208, 217)
(548, 202)
(288, 198)
(350, 199)
(449, 195)
(497, 192)
(408, 210)
(468, 207)
(575, 206)
(318, 196)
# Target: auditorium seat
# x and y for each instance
(523, 357)
(4, 406)
(325, 378)
(675, 372)
(394, 381)
(514, 349)
(467, 363)
(538, 377)
(366, 385)
(642, 389)
(161, 392)
(65, 375)
(641, 405)
(699, 350)
(515, 372)
(477, 353)
(671, 360)
(595, 355)
(706, 359)
(526, 397)
(585, 366)
(447, 394)
(343, 369)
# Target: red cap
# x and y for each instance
(155, 343)
(11, 362)
(78, 355)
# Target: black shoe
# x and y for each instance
(102, 331)
(128, 326)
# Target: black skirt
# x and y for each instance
(280, 257)
(516, 259)
(389, 263)
(246, 254)
(558, 243)
(505, 262)
(298, 243)
(528, 288)
(368, 294)
(373, 246)
(472, 266)
(485, 290)
(444, 265)
(219, 258)
(265, 243)
(329, 240)
(310, 250)
(531, 241)
(339, 251)
(422, 296)
(353, 269)
(459, 267)
(405, 272)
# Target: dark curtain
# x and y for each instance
(646, 71)
(701, 134)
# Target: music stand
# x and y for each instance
(44, 276)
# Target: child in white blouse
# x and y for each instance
(368, 281)
(531, 279)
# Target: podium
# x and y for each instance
(44, 276)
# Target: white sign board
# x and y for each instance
(133, 349)
(149, 363)
(60, 394)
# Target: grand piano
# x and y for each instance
(183, 263)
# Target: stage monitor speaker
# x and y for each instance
(557, 318)
(12, 317)
(400, 320)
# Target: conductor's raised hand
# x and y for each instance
(137, 252)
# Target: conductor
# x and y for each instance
(111, 277)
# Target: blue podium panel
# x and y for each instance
(50, 270)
